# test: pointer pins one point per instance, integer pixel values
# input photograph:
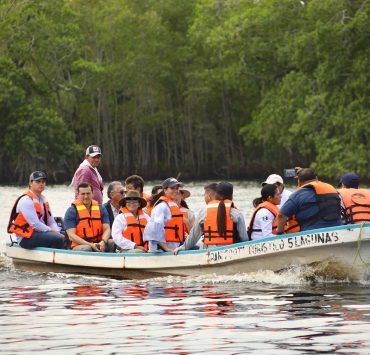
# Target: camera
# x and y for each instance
(289, 173)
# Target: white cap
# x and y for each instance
(273, 179)
(93, 150)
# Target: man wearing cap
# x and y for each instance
(88, 172)
(313, 205)
(115, 193)
(31, 219)
(166, 228)
(87, 223)
(128, 226)
(275, 179)
(355, 201)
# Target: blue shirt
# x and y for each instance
(71, 218)
(297, 200)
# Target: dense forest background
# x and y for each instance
(208, 88)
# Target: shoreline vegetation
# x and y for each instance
(212, 89)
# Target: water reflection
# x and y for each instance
(179, 316)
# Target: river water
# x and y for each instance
(260, 312)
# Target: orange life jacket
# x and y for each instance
(210, 229)
(18, 224)
(174, 227)
(357, 205)
(135, 227)
(328, 201)
(269, 206)
(90, 226)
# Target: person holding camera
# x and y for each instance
(315, 204)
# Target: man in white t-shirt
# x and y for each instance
(277, 180)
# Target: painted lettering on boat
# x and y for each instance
(273, 246)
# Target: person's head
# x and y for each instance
(180, 198)
(85, 193)
(133, 201)
(275, 179)
(93, 155)
(306, 175)
(37, 181)
(210, 192)
(135, 183)
(269, 193)
(115, 192)
(171, 187)
(156, 189)
(225, 190)
(349, 181)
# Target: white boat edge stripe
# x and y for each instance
(202, 251)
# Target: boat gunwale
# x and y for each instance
(200, 251)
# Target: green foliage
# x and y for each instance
(207, 87)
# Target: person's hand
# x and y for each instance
(140, 248)
(95, 246)
(176, 251)
(102, 245)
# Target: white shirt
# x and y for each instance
(263, 221)
(284, 196)
(119, 225)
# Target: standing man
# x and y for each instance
(277, 180)
(88, 172)
(87, 223)
(116, 192)
(31, 219)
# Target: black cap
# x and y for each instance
(225, 189)
(171, 182)
(350, 179)
(38, 175)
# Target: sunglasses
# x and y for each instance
(132, 201)
(122, 192)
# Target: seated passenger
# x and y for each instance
(165, 230)
(87, 223)
(115, 193)
(136, 183)
(128, 226)
(31, 219)
(356, 201)
(313, 205)
(218, 221)
(264, 218)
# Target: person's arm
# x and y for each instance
(118, 226)
(73, 237)
(27, 208)
(195, 233)
(105, 236)
(154, 230)
(281, 220)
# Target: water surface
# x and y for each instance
(260, 312)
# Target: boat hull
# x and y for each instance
(339, 252)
